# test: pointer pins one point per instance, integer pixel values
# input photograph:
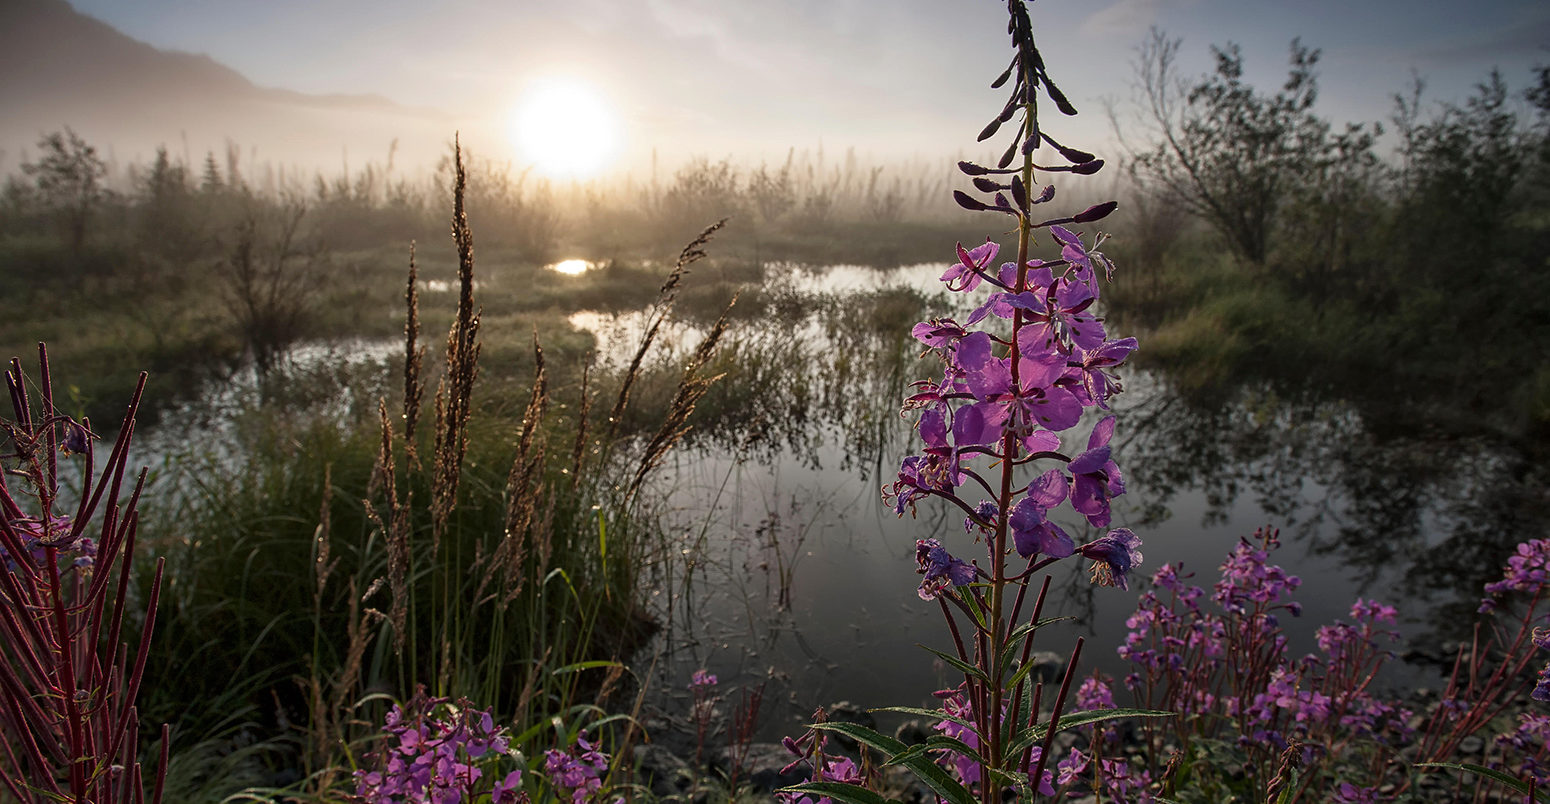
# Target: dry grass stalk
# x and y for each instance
(583, 412)
(668, 293)
(395, 531)
(522, 493)
(414, 360)
(690, 390)
(322, 565)
(455, 392)
(329, 717)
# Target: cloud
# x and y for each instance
(1125, 19)
(1526, 36)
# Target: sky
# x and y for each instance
(903, 79)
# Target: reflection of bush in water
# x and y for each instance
(1444, 511)
(815, 370)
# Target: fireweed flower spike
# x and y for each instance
(1021, 369)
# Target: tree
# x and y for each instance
(1232, 155)
(269, 274)
(68, 177)
(166, 214)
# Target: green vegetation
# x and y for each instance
(1307, 262)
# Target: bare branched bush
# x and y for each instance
(269, 272)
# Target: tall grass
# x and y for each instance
(336, 565)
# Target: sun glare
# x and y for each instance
(565, 129)
(571, 267)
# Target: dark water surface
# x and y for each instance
(789, 571)
(784, 569)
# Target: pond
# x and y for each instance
(788, 572)
(784, 571)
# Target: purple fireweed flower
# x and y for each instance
(936, 469)
(1373, 611)
(1094, 383)
(702, 678)
(1097, 477)
(938, 333)
(1061, 321)
(507, 790)
(1526, 571)
(1073, 252)
(969, 271)
(434, 756)
(1037, 401)
(955, 705)
(939, 568)
(578, 770)
(1071, 767)
(1032, 532)
(1113, 556)
(1094, 693)
(77, 440)
(841, 769)
(988, 514)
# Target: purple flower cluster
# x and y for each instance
(1005, 394)
(1228, 674)
(578, 771)
(433, 754)
(939, 568)
(1121, 783)
(1527, 571)
(1531, 742)
(829, 769)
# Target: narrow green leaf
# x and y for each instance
(1026, 628)
(943, 742)
(1513, 782)
(963, 666)
(1022, 673)
(839, 791)
(935, 714)
(914, 751)
(579, 666)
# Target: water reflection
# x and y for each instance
(784, 566)
(806, 576)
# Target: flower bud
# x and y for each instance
(1095, 212)
(968, 202)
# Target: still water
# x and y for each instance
(788, 571)
(784, 569)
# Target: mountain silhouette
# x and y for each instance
(60, 68)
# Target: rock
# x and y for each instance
(760, 767)
(847, 712)
(1471, 745)
(912, 731)
(1047, 666)
(662, 771)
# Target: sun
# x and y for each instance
(564, 128)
